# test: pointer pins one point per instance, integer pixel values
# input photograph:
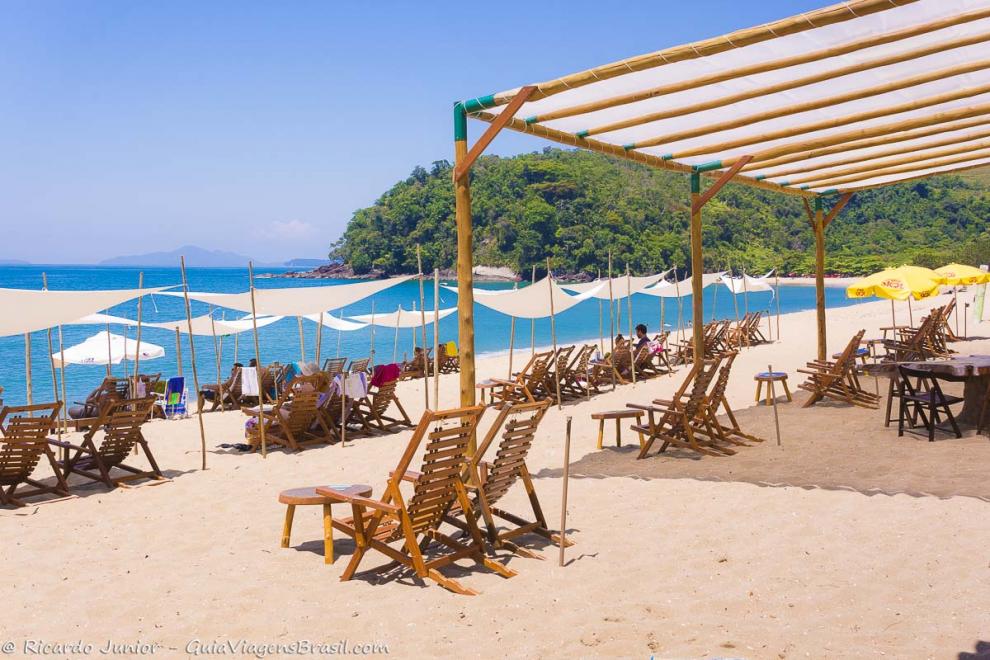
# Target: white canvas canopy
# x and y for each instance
(847, 97)
(682, 288)
(296, 301)
(23, 310)
(747, 283)
(96, 351)
(334, 323)
(621, 285)
(201, 325)
(531, 302)
(402, 318)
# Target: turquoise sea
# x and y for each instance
(280, 341)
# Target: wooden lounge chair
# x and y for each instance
(715, 400)
(418, 367)
(121, 423)
(556, 371)
(838, 380)
(334, 366)
(23, 441)
(111, 389)
(370, 411)
(358, 366)
(527, 383)
(406, 529)
(294, 421)
(224, 395)
(518, 424)
(576, 380)
(447, 356)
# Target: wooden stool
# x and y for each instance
(862, 353)
(767, 377)
(307, 497)
(618, 416)
(487, 386)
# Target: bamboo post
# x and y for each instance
(339, 332)
(745, 293)
(819, 227)
(137, 349)
(532, 323)
(893, 316)
(343, 407)
(257, 364)
(436, 337)
(563, 494)
(732, 288)
(553, 336)
(192, 359)
(319, 339)
(216, 353)
(776, 281)
(697, 266)
(27, 369)
(395, 341)
(465, 275)
(910, 312)
(714, 301)
(632, 354)
(512, 337)
(178, 350)
(601, 327)
(372, 348)
(611, 318)
(680, 306)
(773, 398)
(422, 325)
(955, 295)
(51, 360)
(663, 321)
(65, 411)
(109, 348)
(236, 342)
(302, 340)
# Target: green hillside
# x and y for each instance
(574, 206)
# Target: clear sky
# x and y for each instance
(259, 127)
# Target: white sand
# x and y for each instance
(671, 567)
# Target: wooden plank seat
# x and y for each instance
(838, 380)
(23, 442)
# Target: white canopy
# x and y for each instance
(95, 350)
(531, 302)
(621, 285)
(23, 310)
(296, 301)
(330, 321)
(856, 95)
(402, 318)
(200, 325)
(682, 288)
(747, 283)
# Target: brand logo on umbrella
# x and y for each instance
(893, 284)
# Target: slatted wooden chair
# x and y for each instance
(226, 395)
(947, 312)
(556, 371)
(716, 400)
(406, 529)
(838, 380)
(370, 411)
(294, 421)
(753, 330)
(577, 380)
(674, 422)
(358, 366)
(924, 400)
(518, 424)
(120, 422)
(646, 363)
(527, 383)
(418, 367)
(334, 366)
(23, 441)
(449, 361)
(111, 389)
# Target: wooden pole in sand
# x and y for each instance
(395, 341)
(372, 347)
(257, 365)
(553, 337)
(178, 350)
(465, 263)
(216, 353)
(51, 360)
(27, 369)
(697, 268)
(436, 337)
(680, 306)
(773, 398)
(422, 325)
(65, 411)
(611, 319)
(745, 293)
(137, 349)
(109, 348)
(776, 281)
(632, 353)
(339, 333)
(910, 312)
(302, 340)
(512, 337)
(563, 493)
(236, 342)
(601, 322)
(532, 324)
(192, 358)
(714, 300)
(819, 228)
(319, 339)
(732, 289)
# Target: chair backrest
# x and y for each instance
(301, 398)
(334, 366)
(538, 366)
(451, 349)
(448, 436)
(121, 423)
(845, 359)
(563, 358)
(383, 396)
(24, 439)
(699, 389)
(518, 424)
(359, 365)
(582, 360)
(722, 381)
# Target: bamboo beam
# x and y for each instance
(465, 278)
(636, 156)
(839, 205)
(464, 166)
(738, 39)
(910, 167)
(926, 175)
(786, 85)
(761, 67)
(982, 132)
(874, 164)
(830, 101)
(727, 176)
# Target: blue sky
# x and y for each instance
(128, 127)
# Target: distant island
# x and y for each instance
(199, 257)
(14, 262)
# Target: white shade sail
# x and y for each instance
(747, 283)
(682, 288)
(296, 301)
(402, 318)
(330, 321)
(201, 325)
(97, 351)
(621, 285)
(531, 302)
(23, 310)
(856, 95)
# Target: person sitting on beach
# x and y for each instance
(210, 391)
(641, 338)
(620, 341)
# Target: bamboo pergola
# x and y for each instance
(854, 96)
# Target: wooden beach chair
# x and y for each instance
(527, 383)
(370, 411)
(714, 400)
(447, 356)
(838, 380)
(23, 441)
(111, 389)
(334, 366)
(556, 372)
(418, 367)
(359, 365)
(518, 424)
(120, 422)
(576, 380)
(294, 421)
(225, 396)
(923, 400)
(406, 528)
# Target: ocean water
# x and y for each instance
(280, 341)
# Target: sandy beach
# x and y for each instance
(844, 541)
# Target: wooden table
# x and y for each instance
(308, 497)
(618, 416)
(974, 371)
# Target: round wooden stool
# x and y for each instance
(768, 377)
(308, 497)
(618, 416)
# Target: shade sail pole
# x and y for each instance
(65, 410)
(257, 364)
(735, 301)
(192, 358)
(512, 337)
(339, 331)
(776, 281)
(697, 311)
(436, 337)
(216, 354)
(51, 360)
(422, 325)
(714, 301)
(632, 354)
(745, 293)
(319, 340)
(680, 306)
(302, 340)
(465, 263)
(532, 322)
(819, 227)
(372, 347)
(137, 350)
(601, 322)
(178, 350)
(611, 319)
(27, 369)
(395, 339)
(553, 338)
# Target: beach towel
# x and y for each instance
(307, 368)
(451, 348)
(249, 382)
(385, 373)
(356, 385)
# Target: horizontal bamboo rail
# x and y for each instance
(894, 139)
(910, 167)
(839, 122)
(926, 175)
(828, 102)
(792, 25)
(786, 85)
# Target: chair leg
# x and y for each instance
(287, 527)
(618, 433)
(759, 386)
(327, 534)
(787, 390)
(601, 432)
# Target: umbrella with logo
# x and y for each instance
(901, 283)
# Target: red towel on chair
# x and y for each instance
(385, 373)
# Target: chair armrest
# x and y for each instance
(504, 383)
(357, 499)
(64, 444)
(411, 475)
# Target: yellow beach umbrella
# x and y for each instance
(901, 283)
(962, 274)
